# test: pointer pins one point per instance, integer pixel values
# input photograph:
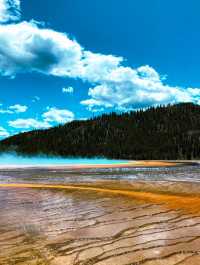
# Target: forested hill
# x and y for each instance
(171, 132)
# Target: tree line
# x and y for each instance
(163, 132)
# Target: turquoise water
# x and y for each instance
(9, 159)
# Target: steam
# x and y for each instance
(13, 159)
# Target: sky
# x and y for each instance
(73, 59)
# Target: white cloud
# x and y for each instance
(9, 10)
(69, 90)
(17, 108)
(24, 47)
(58, 115)
(49, 118)
(95, 105)
(4, 132)
(29, 124)
(96, 68)
(127, 88)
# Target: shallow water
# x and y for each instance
(65, 176)
(77, 227)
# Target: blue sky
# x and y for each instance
(73, 59)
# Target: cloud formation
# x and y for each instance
(28, 124)
(9, 10)
(14, 109)
(69, 90)
(24, 47)
(49, 118)
(27, 47)
(17, 108)
(58, 115)
(127, 88)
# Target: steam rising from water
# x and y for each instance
(14, 159)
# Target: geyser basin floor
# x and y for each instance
(75, 227)
(46, 225)
(173, 201)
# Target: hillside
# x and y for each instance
(170, 132)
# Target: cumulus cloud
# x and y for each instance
(9, 10)
(48, 119)
(29, 124)
(4, 132)
(127, 88)
(24, 47)
(17, 108)
(69, 90)
(58, 115)
(30, 47)
(96, 68)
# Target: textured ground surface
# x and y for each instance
(57, 227)
(54, 226)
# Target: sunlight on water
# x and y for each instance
(12, 159)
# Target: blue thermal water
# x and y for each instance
(11, 159)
